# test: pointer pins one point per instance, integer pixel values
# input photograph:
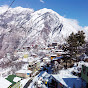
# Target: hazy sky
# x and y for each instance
(73, 9)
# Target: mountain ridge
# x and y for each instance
(24, 26)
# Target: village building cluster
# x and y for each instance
(44, 68)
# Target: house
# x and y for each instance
(45, 77)
(59, 52)
(32, 65)
(57, 58)
(46, 60)
(49, 48)
(42, 65)
(26, 55)
(26, 48)
(64, 79)
(55, 63)
(49, 45)
(24, 73)
(34, 55)
(4, 83)
(43, 80)
(54, 44)
(84, 72)
(15, 81)
(38, 64)
(53, 56)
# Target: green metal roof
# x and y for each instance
(10, 78)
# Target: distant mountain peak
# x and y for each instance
(24, 26)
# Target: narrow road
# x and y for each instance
(28, 83)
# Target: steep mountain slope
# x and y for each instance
(22, 26)
(47, 26)
(11, 31)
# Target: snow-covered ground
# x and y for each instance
(4, 83)
(24, 81)
(64, 76)
(78, 66)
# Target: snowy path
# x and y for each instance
(28, 83)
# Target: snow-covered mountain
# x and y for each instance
(23, 26)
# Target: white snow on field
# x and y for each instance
(16, 79)
(4, 83)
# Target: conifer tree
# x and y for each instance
(73, 43)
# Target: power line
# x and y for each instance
(2, 15)
(8, 8)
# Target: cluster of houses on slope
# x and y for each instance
(30, 69)
(66, 79)
(63, 79)
(33, 65)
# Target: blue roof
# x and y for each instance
(58, 58)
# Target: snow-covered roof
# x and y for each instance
(57, 58)
(45, 58)
(25, 60)
(45, 74)
(67, 79)
(38, 61)
(29, 59)
(24, 71)
(26, 52)
(86, 56)
(42, 64)
(39, 82)
(59, 50)
(53, 55)
(33, 53)
(4, 83)
(16, 79)
(36, 79)
(48, 60)
(37, 58)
